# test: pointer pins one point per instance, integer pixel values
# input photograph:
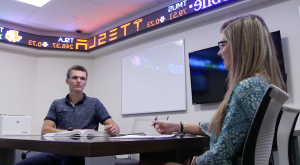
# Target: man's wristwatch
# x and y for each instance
(70, 129)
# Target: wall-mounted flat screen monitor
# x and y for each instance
(208, 75)
(279, 54)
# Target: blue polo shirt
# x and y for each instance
(86, 114)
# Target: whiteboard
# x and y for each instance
(153, 80)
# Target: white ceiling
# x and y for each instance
(69, 15)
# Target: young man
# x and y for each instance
(74, 112)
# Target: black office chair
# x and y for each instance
(274, 154)
(258, 145)
(126, 161)
(284, 135)
(24, 154)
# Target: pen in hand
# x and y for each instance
(155, 120)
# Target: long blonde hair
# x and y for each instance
(253, 52)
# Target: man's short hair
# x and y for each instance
(77, 67)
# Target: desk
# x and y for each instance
(150, 149)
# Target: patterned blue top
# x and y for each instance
(242, 105)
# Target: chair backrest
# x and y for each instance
(285, 134)
(258, 145)
(144, 125)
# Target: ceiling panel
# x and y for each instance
(50, 19)
(132, 7)
(103, 2)
(16, 10)
(73, 8)
(36, 26)
(85, 26)
(20, 23)
(104, 16)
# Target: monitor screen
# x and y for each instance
(279, 54)
(208, 75)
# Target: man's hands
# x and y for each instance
(110, 129)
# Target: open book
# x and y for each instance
(87, 133)
(76, 138)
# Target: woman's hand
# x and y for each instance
(165, 127)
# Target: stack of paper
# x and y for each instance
(142, 136)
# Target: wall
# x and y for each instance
(18, 81)
(283, 16)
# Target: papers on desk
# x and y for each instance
(143, 136)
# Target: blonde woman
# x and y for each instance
(249, 55)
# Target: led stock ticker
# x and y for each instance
(171, 13)
(178, 11)
(43, 42)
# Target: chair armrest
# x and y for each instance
(291, 109)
